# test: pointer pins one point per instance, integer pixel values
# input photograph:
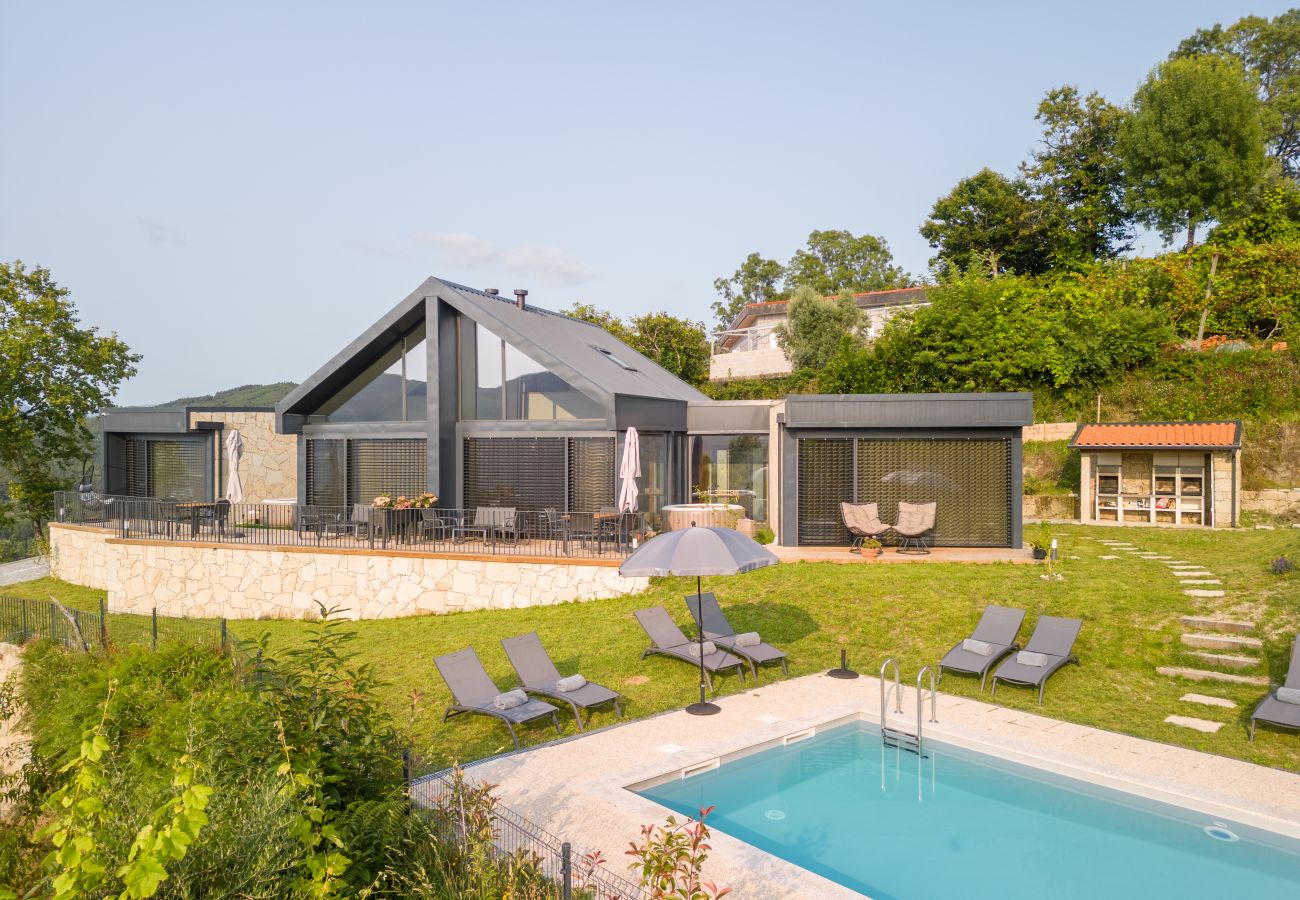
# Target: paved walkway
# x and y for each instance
(577, 788)
(24, 570)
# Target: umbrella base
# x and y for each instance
(842, 673)
(704, 709)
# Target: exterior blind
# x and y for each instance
(592, 470)
(396, 466)
(171, 469)
(825, 479)
(326, 472)
(524, 472)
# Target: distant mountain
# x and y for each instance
(245, 395)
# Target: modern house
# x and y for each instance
(748, 347)
(493, 402)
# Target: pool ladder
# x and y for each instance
(896, 737)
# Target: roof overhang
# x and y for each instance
(1156, 436)
(992, 410)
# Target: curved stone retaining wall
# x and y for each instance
(211, 580)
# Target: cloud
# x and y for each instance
(550, 264)
(156, 231)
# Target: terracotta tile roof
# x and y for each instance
(1159, 434)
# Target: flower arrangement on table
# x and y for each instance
(386, 501)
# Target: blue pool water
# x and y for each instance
(958, 824)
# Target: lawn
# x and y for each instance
(1130, 607)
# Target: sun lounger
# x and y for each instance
(472, 691)
(1053, 639)
(538, 675)
(1275, 711)
(666, 639)
(997, 628)
(719, 630)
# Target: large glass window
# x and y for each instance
(170, 468)
(343, 471)
(732, 467)
(512, 385)
(575, 474)
(392, 389)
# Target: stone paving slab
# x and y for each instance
(1222, 641)
(1195, 724)
(1206, 675)
(1206, 700)
(1201, 581)
(577, 788)
(1197, 592)
(1111, 557)
(1211, 623)
(1226, 660)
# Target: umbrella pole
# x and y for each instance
(704, 707)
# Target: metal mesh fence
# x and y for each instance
(22, 619)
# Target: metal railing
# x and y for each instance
(22, 619)
(602, 534)
(515, 841)
(761, 337)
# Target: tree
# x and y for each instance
(53, 374)
(1270, 52)
(601, 318)
(1077, 180)
(814, 325)
(757, 280)
(679, 345)
(987, 222)
(849, 371)
(837, 262)
(1193, 146)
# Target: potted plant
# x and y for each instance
(1041, 541)
(873, 547)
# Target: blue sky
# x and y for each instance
(238, 189)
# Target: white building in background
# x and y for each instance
(748, 349)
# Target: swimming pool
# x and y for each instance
(959, 824)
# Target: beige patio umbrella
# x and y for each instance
(234, 451)
(629, 471)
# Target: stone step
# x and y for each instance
(1195, 724)
(1221, 641)
(1200, 581)
(1197, 592)
(1205, 675)
(1206, 700)
(1209, 623)
(1226, 660)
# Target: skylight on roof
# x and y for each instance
(612, 358)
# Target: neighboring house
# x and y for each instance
(492, 402)
(748, 348)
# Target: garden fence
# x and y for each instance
(22, 619)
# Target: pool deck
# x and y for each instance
(578, 787)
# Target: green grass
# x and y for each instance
(1130, 609)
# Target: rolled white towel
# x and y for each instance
(748, 639)
(983, 648)
(510, 699)
(1289, 695)
(572, 683)
(709, 648)
(1025, 658)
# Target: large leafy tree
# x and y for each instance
(679, 345)
(1269, 51)
(1077, 180)
(1193, 146)
(987, 222)
(756, 281)
(814, 326)
(53, 374)
(840, 262)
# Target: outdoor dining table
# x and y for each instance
(196, 508)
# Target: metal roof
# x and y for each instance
(584, 355)
(992, 410)
(1158, 436)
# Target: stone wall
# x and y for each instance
(1049, 431)
(748, 364)
(1226, 469)
(1275, 501)
(268, 469)
(211, 580)
(1050, 506)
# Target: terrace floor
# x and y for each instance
(578, 787)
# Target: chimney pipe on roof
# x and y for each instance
(520, 294)
(492, 292)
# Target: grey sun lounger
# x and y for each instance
(719, 630)
(472, 691)
(1273, 710)
(538, 675)
(997, 627)
(666, 639)
(1054, 638)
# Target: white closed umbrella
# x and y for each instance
(629, 471)
(234, 450)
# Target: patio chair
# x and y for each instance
(719, 630)
(216, 515)
(1273, 709)
(997, 630)
(472, 691)
(863, 522)
(435, 525)
(666, 639)
(551, 526)
(538, 675)
(488, 521)
(915, 521)
(1052, 643)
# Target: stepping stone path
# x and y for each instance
(1197, 592)
(1110, 557)
(1208, 701)
(1200, 581)
(1194, 724)
(1221, 641)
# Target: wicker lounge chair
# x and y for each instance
(915, 521)
(472, 691)
(997, 628)
(1278, 712)
(666, 639)
(863, 522)
(719, 630)
(538, 675)
(1053, 638)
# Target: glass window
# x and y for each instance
(732, 468)
(488, 350)
(530, 390)
(391, 389)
